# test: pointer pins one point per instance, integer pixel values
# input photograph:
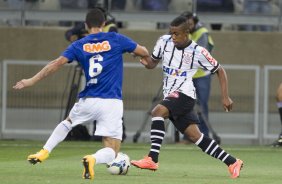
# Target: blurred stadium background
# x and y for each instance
(32, 33)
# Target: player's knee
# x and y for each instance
(193, 133)
(279, 93)
(160, 111)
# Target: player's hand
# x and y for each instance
(23, 84)
(227, 104)
(143, 61)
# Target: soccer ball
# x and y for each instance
(120, 165)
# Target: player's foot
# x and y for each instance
(88, 164)
(278, 142)
(40, 156)
(235, 168)
(145, 163)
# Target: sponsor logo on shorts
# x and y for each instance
(174, 94)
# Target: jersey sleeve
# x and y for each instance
(70, 53)
(206, 61)
(158, 49)
(127, 44)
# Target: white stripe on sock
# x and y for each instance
(220, 153)
(156, 144)
(158, 137)
(159, 131)
(209, 146)
(200, 140)
(225, 157)
(157, 118)
(214, 150)
(154, 150)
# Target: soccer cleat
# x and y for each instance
(145, 163)
(40, 156)
(234, 169)
(278, 142)
(88, 164)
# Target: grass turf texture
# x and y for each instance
(178, 164)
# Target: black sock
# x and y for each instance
(157, 136)
(280, 113)
(211, 148)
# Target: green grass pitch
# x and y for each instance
(178, 164)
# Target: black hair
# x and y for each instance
(179, 21)
(190, 15)
(95, 18)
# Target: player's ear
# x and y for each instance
(86, 26)
(104, 23)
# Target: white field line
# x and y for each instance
(138, 147)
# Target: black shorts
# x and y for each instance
(181, 110)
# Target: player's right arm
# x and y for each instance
(141, 51)
(153, 60)
(149, 62)
(50, 68)
(146, 59)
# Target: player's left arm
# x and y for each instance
(149, 62)
(50, 68)
(145, 59)
(226, 100)
(211, 64)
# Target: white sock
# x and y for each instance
(104, 155)
(58, 135)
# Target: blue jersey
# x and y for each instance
(100, 56)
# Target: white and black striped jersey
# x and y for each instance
(179, 66)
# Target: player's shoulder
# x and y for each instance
(165, 38)
(195, 46)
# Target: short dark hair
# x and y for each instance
(180, 20)
(190, 15)
(95, 18)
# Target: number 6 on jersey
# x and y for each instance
(95, 68)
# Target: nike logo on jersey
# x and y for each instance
(174, 72)
(97, 47)
(167, 50)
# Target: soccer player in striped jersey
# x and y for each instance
(100, 56)
(180, 59)
(278, 142)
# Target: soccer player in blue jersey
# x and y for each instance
(100, 56)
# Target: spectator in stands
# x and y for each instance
(116, 5)
(22, 5)
(202, 79)
(155, 5)
(79, 31)
(257, 7)
(225, 6)
(72, 5)
(278, 142)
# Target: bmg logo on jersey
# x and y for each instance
(97, 47)
(174, 72)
